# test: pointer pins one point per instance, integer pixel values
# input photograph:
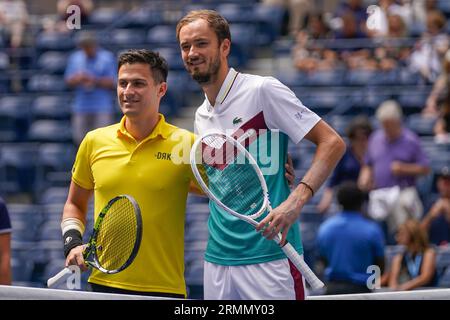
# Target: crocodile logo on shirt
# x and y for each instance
(237, 120)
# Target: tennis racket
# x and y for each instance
(230, 176)
(115, 240)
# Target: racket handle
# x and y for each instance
(301, 265)
(57, 278)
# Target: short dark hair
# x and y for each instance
(218, 23)
(359, 123)
(158, 65)
(350, 197)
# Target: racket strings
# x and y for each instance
(236, 183)
(117, 235)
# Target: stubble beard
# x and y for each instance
(209, 76)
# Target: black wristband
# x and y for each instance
(72, 238)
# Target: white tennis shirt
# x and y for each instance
(263, 104)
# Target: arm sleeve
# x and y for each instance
(284, 111)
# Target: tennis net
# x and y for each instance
(25, 293)
(432, 294)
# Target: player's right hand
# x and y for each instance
(75, 257)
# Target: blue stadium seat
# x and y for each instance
(408, 77)
(17, 167)
(52, 211)
(293, 80)
(142, 18)
(50, 131)
(50, 230)
(56, 156)
(235, 12)
(269, 20)
(322, 102)
(194, 273)
(444, 279)
(309, 234)
(372, 100)
(197, 212)
(173, 58)
(196, 231)
(22, 231)
(14, 118)
(443, 266)
(444, 6)
(53, 61)
(359, 77)
(412, 101)
(325, 78)
(386, 78)
(162, 35)
(52, 107)
(25, 219)
(340, 123)
(125, 37)
(21, 269)
(54, 41)
(46, 83)
(53, 167)
(423, 126)
(244, 43)
(54, 196)
(104, 17)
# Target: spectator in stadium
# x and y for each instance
(416, 266)
(5, 245)
(358, 132)
(393, 161)
(349, 243)
(13, 21)
(314, 59)
(235, 262)
(429, 51)
(442, 125)
(91, 73)
(441, 90)
(357, 9)
(390, 54)
(121, 159)
(436, 222)
(310, 57)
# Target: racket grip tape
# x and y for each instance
(301, 265)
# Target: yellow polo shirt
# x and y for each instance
(156, 172)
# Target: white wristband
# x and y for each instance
(72, 223)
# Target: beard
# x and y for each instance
(208, 76)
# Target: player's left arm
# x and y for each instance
(330, 149)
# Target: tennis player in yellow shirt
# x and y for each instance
(135, 157)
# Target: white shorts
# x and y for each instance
(274, 280)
